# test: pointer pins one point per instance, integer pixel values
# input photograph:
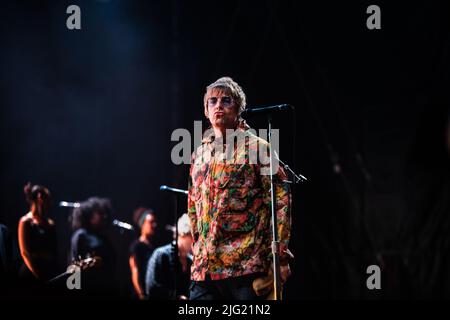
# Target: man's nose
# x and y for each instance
(219, 104)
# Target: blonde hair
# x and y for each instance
(228, 84)
(184, 225)
(236, 92)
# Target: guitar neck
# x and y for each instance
(58, 277)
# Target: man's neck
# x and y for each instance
(36, 213)
(220, 133)
(144, 239)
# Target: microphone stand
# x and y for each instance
(175, 241)
(175, 249)
(275, 241)
(297, 177)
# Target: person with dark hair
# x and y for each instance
(142, 248)
(167, 278)
(37, 236)
(229, 203)
(90, 222)
(5, 249)
(6, 257)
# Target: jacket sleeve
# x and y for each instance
(191, 211)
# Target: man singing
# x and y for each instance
(229, 204)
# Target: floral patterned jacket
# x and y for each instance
(229, 204)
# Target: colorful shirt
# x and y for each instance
(229, 207)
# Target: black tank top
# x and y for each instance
(42, 246)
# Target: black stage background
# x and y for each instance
(91, 112)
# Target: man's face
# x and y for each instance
(44, 203)
(149, 226)
(98, 220)
(221, 109)
(185, 243)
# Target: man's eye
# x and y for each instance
(212, 100)
(226, 100)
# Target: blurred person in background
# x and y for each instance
(168, 278)
(142, 248)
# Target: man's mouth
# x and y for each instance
(219, 114)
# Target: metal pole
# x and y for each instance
(275, 241)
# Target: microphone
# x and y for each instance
(166, 188)
(66, 204)
(253, 111)
(169, 228)
(122, 224)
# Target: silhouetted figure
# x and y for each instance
(37, 237)
(142, 248)
(90, 223)
(167, 278)
(6, 257)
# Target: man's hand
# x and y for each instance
(285, 272)
(142, 296)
